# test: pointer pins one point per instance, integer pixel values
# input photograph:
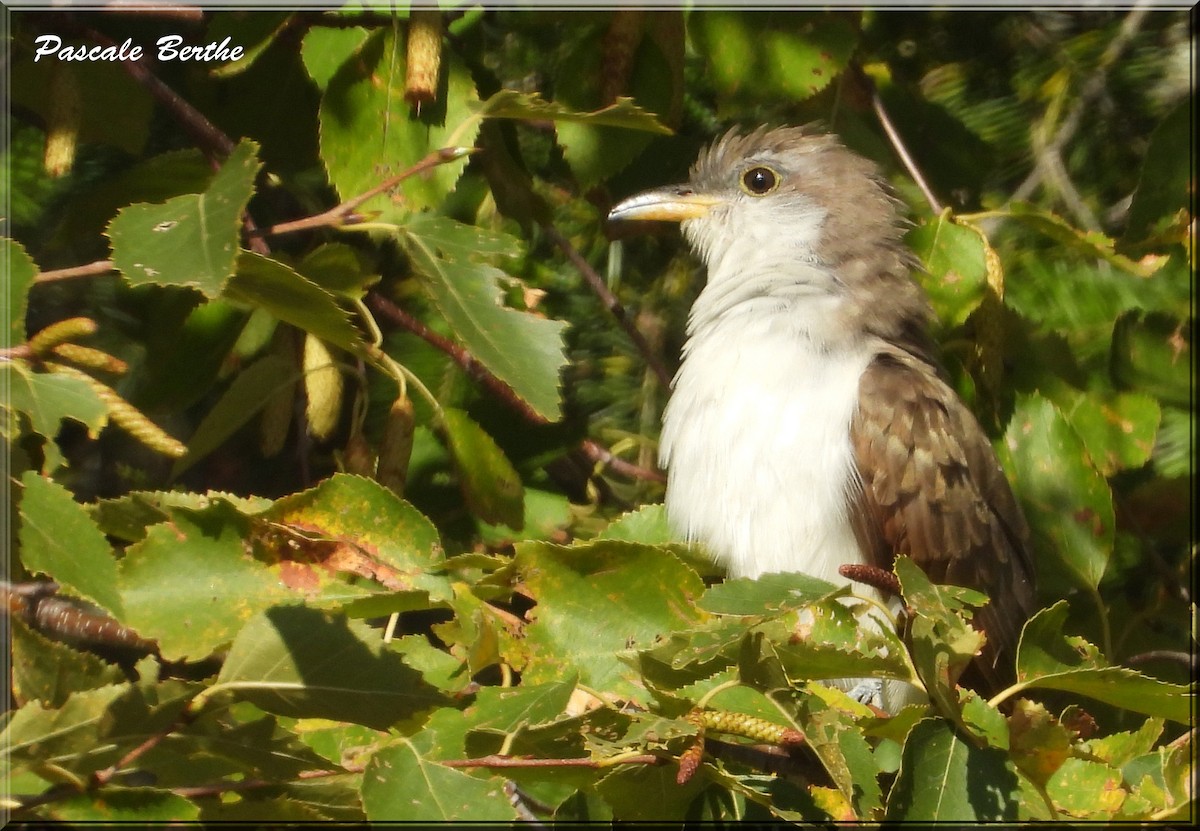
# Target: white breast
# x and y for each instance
(756, 442)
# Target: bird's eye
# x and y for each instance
(759, 181)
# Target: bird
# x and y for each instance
(810, 424)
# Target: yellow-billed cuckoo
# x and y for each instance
(809, 424)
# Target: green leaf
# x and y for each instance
(19, 271)
(59, 539)
(594, 150)
(34, 734)
(598, 602)
(768, 594)
(300, 662)
(647, 525)
(47, 398)
(943, 778)
(50, 671)
(1088, 789)
(1067, 501)
(326, 48)
(765, 57)
(249, 393)
(1161, 197)
(401, 785)
(649, 794)
(189, 240)
(369, 132)
(1152, 353)
(253, 32)
(546, 516)
(374, 522)
(269, 284)
(1048, 659)
(826, 640)
(190, 586)
(955, 275)
(984, 720)
(127, 517)
(1118, 430)
(523, 350)
(118, 805)
(489, 483)
(336, 268)
(845, 753)
(1089, 243)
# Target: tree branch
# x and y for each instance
(611, 303)
(477, 372)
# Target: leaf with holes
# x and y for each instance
(190, 240)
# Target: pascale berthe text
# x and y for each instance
(169, 48)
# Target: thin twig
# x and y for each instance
(467, 362)
(901, 150)
(1091, 89)
(343, 214)
(496, 761)
(611, 303)
(88, 270)
(210, 138)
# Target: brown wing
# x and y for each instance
(934, 491)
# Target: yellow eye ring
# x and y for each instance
(759, 181)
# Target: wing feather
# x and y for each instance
(933, 489)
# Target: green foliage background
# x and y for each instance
(256, 429)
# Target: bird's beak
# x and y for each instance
(670, 204)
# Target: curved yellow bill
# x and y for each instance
(671, 204)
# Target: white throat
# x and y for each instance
(756, 436)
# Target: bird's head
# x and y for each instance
(788, 212)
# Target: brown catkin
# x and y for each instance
(395, 449)
(424, 59)
(689, 760)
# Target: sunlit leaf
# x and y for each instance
(955, 275)
(1049, 659)
(597, 602)
(624, 113)
(301, 662)
(190, 586)
(188, 240)
(973, 784)
(269, 284)
(402, 785)
(60, 540)
(1065, 497)
(369, 131)
(523, 350)
(47, 398)
(19, 270)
